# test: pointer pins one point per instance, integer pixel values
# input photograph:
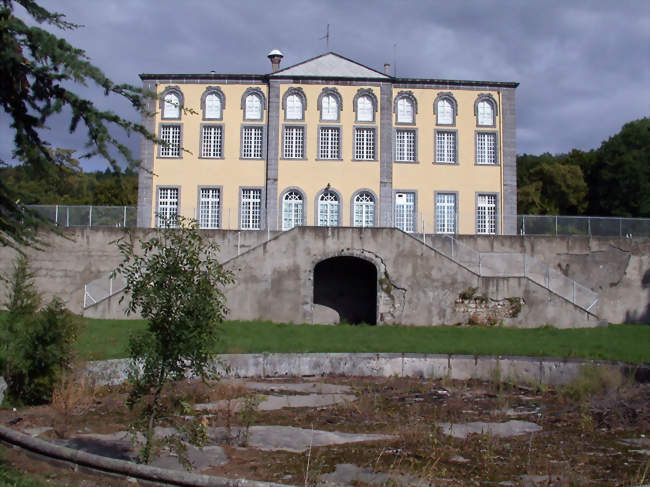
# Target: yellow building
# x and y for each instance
(330, 142)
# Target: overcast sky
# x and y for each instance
(583, 66)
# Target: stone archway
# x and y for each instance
(348, 285)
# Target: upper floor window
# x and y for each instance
(365, 105)
(294, 103)
(405, 107)
(445, 109)
(485, 110)
(212, 103)
(170, 134)
(329, 143)
(329, 104)
(253, 103)
(171, 102)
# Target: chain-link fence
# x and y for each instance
(88, 216)
(590, 226)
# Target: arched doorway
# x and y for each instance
(348, 285)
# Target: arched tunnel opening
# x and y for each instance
(349, 286)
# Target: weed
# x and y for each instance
(247, 415)
(73, 395)
(468, 293)
(593, 380)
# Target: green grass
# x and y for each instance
(104, 339)
(10, 477)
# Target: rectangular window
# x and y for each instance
(486, 214)
(209, 207)
(294, 143)
(445, 147)
(171, 134)
(364, 144)
(329, 143)
(211, 141)
(250, 211)
(486, 144)
(445, 213)
(405, 145)
(251, 143)
(167, 207)
(405, 211)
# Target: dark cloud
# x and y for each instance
(583, 66)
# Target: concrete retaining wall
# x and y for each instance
(462, 367)
(275, 280)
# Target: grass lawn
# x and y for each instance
(104, 339)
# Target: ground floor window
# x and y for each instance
(486, 214)
(364, 210)
(167, 207)
(209, 207)
(405, 211)
(250, 211)
(328, 209)
(445, 213)
(292, 210)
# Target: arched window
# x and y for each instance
(329, 108)
(292, 210)
(330, 104)
(212, 106)
(294, 108)
(404, 110)
(364, 109)
(253, 110)
(328, 209)
(172, 107)
(445, 109)
(485, 110)
(364, 209)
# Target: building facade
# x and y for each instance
(330, 142)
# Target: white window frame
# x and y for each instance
(293, 142)
(293, 209)
(446, 146)
(252, 142)
(446, 211)
(172, 134)
(213, 111)
(365, 144)
(487, 149)
(209, 207)
(444, 112)
(405, 110)
(329, 111)
(404, 208)
(171, 106)
(486, 213)
(329, 209)
(294, 108)
(364, 208)
(250, 208)
(253, 107)
(485, 113)
(167, 206)
(329, 143)
(211, 141)
(365, 109)
(405, 145)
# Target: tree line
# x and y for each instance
(613, 180)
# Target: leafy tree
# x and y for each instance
(175, 282)
(36, 69)
(619, 182)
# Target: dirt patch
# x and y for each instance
(595, 438)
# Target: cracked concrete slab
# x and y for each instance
(509, 428)
(275, 402)
(294, 439)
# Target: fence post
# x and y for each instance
(620, 227)
(452, 247)
(56, 215)
(238, 241)
(124, 219)
(574, 292)
(90, 216)
(523, 225)
(556, 225)
(67, 216)
(110, 286)
(85, 294)
(589, 226)
(548, 278)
